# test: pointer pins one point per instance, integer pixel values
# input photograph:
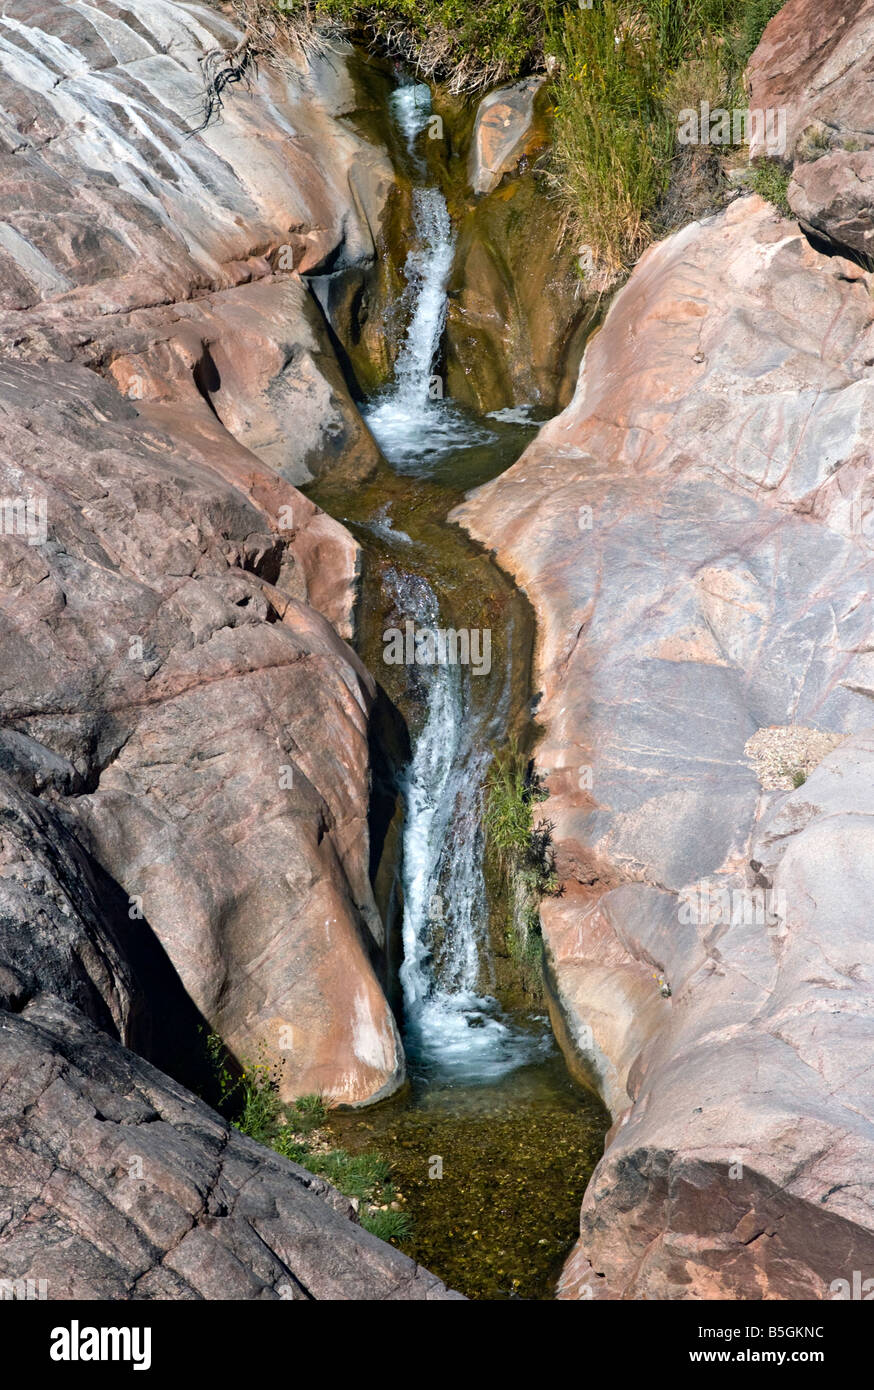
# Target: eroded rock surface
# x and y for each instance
(116, 1183)
(184, 776)
(694, 533)
(502, 133)
(139, 241)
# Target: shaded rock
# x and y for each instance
(517, 316)
(834, 197)
(502, 133)
(117, 1183)
(693, 534)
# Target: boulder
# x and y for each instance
(518, 315)
(209, 726)
(694, 534)
(116, 1183)
(503, 132)
(142, 238)
(833, 197)
(814, 70)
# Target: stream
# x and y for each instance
(492, 1143)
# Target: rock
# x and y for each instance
(117, 1183)
(184, 774)
(517, 312)
(814, 67)
(693, 533)
(503, 132)
(162, 251)
(174, 683)
(834, 197)
(209, 727)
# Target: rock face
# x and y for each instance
(815, 65)
(116, 1183)
(167, 643)
(502, 133)
(139, 243)
(694, 533)
(184, 779)
(517, 315)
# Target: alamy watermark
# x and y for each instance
(24, 516)
(740, 126)
(712, 904)
(439, 646)
(24, 1290)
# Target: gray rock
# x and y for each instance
(117, 1183)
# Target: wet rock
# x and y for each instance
(693, 534)
(502, 133)
(518, 315)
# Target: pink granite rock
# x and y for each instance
(694, 533)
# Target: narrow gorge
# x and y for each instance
(435, 749)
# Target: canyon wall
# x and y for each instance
(694, 532)
(184, 746)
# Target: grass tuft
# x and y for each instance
(522, 848)
(771, 181)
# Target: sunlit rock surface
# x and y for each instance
(694, 533)
(184, 775)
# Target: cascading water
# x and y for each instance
(453, 1029)
(411, 420)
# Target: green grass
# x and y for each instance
(626, 68)
(620, 72)
(771, 181)
(468, 45)
(392, 1226)
(521, 847)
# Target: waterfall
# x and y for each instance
(453, 1029)
(410, 420)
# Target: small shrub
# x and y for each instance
(522, 849)
(771, 181)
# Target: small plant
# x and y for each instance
(252, 1101)
(522, 849)
(771, 181)
(392, 1226)
(814, 143)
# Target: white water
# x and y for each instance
(453, 1029)
(412, 423)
